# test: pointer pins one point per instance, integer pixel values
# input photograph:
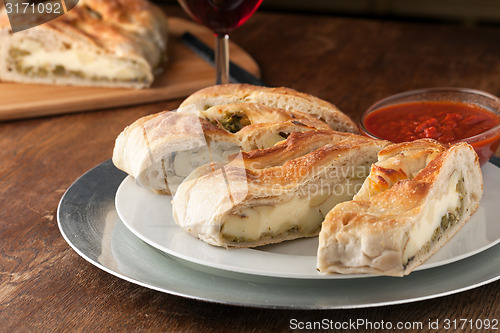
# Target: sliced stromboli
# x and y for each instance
(283, 98)
(235, 116)
(275, 194)
(160, 150)
(97, 43)
(398, 162)
(416, 198)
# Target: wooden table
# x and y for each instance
(46, 286)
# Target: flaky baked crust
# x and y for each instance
(371, 233)
(124, 30)
(308, 167)
(281, 97)
(160, 150)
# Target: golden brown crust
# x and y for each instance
(260, 114)
(308, 166)
(370, 234)
(136, 24)
(422, 146)
(135, 30)
(398, 162)
(300, 156)
(281, 97)
(244, 90)
(150, 144)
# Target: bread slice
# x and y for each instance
(160, 150)
(98, 43)
(415, 199)
(275, 194)
(283, 98)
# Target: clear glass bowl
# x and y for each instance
(485, 143)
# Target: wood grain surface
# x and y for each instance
(184, 73)
(46, 287)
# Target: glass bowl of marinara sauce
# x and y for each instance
(448, 115)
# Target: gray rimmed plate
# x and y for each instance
(90, 224)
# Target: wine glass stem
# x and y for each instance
(221, 59)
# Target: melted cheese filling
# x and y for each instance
(421, 233)
(300, 214)
(272, 140)
(78, 63)
(174, 169)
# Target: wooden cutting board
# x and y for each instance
(185, 73)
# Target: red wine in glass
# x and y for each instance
(222, 17)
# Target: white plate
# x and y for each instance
(89, 222)
(149, 217)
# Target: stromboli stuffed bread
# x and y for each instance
(280, 97)
(118, 43)
(275, 194)
(246, 174)
(160, 150)
(416, 198)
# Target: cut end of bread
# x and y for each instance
(393, 230)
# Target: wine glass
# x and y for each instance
(222, 17)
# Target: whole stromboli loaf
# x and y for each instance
(280, 97)
(417, 196)
(116, 43)
(270, 195)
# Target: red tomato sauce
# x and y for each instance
(443, 121)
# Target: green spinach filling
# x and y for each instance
(16, 56)
(447, 220)
(232, 122)
(267, 235)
